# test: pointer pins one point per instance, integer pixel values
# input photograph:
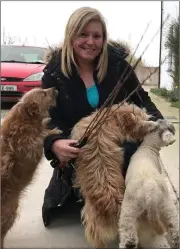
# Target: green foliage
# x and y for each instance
(172, 96)
(172, 45)
(176, 104)
(160, 91)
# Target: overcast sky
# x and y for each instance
(40, 21)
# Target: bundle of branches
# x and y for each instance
(106, 108)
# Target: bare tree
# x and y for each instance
(25, 41)
(7, 38)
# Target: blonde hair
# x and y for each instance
(76, 23)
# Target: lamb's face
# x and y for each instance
(166, 132)
(38, 100)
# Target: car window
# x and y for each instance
(22, 54)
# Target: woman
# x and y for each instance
(84, 70)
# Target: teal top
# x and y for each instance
(92, 96)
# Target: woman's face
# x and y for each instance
(88, 44)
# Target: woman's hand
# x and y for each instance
(64, 150)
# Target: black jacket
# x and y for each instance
(72, 103)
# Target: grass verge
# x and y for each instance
(171, 96)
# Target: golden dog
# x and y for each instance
(22, 133)
(98, 169)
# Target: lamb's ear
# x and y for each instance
(33, 109)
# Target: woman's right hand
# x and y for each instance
(64, 150)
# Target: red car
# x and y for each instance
(21, 70)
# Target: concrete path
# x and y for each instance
(66, 230)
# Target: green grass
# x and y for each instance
(171, 96)
(176, 104)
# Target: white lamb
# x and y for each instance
(147, 210)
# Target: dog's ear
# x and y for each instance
(128, 120)
(33, 109)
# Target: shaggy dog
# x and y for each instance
(147, 206)
(98, 169)
(22, 133)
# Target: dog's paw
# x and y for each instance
(152, 126)
(46, 122)
(54, 131)
(149, 126)
(121, 245)
(164, 124)
(48, 132)
(129, 243)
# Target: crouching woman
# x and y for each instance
(84, 70)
